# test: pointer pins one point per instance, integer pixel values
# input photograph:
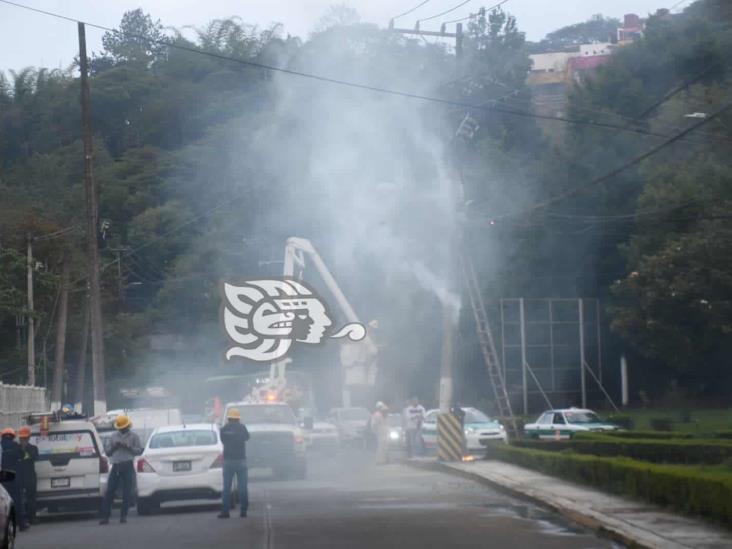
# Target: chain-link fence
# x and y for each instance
(17, 401)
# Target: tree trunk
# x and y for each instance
(59, 363)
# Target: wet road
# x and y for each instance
(345, 503)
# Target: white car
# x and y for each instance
(351, 423)
(71, 466)
(479, 430)
(8, 526)
(323, 437)
(180, 462)
(562, 424)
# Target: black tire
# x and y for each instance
(147, 506)
(9, 534)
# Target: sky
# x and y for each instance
(28, 38)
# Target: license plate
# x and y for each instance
(179, 466)
(63, 482)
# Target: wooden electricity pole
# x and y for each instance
(92, 213)
(31, 320)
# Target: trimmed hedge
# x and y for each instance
(709, 452)
(689, 489)
(647, 435)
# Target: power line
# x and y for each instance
(346, 83)
(460, 5)
(415, 8)
(481, 11)
(633, 162)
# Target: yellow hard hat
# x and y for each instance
(122, 422)
(233, 413)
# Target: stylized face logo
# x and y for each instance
(264, 317)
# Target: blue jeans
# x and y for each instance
(124, 474)
(236, 467)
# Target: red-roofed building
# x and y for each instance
(579, 67)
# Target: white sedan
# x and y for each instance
(479, 429)
(180, 462)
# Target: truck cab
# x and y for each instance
(276, 439)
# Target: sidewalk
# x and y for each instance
(635, 523)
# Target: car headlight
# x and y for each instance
(394, 435)
(469, 430)
(501, 427)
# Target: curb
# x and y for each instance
(605, 526)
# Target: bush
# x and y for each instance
(663, 435)
(708, 452)
(723, 434)
(626, 422)
(689, 489)
(661, 424)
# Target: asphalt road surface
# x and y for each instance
(345, 503)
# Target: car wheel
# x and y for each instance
(147, 506)
(9, 537)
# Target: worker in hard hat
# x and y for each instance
(380, 428)
(234, 436)
(28, 460)
(11, 458)
(121, 449)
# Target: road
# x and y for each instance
(346, 503)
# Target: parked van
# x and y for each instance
(146, 420)
(70, 464)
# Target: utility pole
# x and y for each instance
(457, 35)
(59, 363)
(92, 213)
(31, 320)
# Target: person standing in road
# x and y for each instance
(121, 448)
(413, 417)
(380, 428)
(234, 436)
(28, 465)
(11, 461)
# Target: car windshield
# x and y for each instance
(267, 414)
(180, 439)
(353, 414)
(476, 416)
(581, 417)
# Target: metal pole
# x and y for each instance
(599, 339)
(31, 321)
(624, 381)
(503, 340)
(524, 380)
(59, 363)
(81, 364)
(95, 305)
(551, 343)
(583, 379)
